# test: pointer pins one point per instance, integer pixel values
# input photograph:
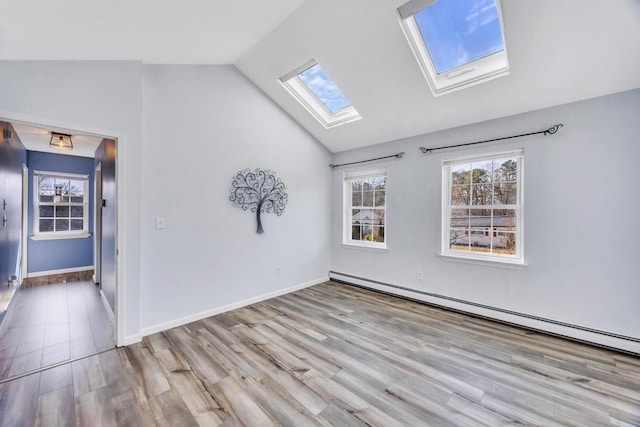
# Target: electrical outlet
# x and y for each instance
(420, 275)
(277, 271)
(161, 222)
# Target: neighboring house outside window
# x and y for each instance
(60, 205)
(482, 207)
(365, 208)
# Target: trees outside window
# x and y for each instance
(482, 207)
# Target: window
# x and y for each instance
(365, 220)
(312, 87)
(458, 43)
(482, 207)
(60, 204)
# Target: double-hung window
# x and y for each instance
(365, 213)
(482, 207)
(60, 204)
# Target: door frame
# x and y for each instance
(121, 242)
(97, 225)
(25, 223)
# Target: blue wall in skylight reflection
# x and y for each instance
(457, 32)
(324, 88)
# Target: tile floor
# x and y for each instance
(50, 324)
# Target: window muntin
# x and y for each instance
(60, 204)
(312, 87)
(457, 43)
(365, 222)
(482, 200)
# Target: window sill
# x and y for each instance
(509, 265)
(60, 236)
(365, 247)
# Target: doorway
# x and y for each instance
(56, 323)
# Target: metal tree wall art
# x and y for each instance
(260, 191)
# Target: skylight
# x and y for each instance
(324, 88)
(458, 43)
(312, 87)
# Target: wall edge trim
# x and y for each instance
(60, 271)
(567, 330)
(107, 307)
(218, 310)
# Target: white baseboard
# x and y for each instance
(212, 312)
(60, 271)
(590, 335)
(107, 307)
(131, 339)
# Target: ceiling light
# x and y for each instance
(61, 141)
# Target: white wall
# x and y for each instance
(581, 230)
(90, 95)
(184, 131)
(201, 125)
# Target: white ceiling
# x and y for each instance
(559, 51)
(154, 31)
(36, 138)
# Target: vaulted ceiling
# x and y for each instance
(559, 51)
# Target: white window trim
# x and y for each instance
(477, 257)
(481, 70)
(347, 241)
(292, 83)
(53, 235)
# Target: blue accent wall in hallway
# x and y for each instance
(46, 255)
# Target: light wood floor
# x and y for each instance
(335, 355)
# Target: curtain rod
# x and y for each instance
(397, 155)
(549, 131)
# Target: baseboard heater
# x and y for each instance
(598, 337)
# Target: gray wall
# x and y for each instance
(580, 210)
(202, 124)
(95, 95)
(55, 254)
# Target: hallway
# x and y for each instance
(50, 324)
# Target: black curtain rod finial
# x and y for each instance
(553, 129)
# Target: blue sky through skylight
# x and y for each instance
(324, 88)
(457, 32)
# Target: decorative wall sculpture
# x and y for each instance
(260, 191)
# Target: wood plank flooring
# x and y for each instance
(335, 355)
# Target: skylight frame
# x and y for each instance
(472, 73)
(301, 92)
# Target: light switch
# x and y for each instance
(161, 222)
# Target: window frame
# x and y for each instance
(466, 75)
(518, 206)
(301, 93)
(348, 178)
(40, 235)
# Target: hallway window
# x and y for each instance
(61, 204)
